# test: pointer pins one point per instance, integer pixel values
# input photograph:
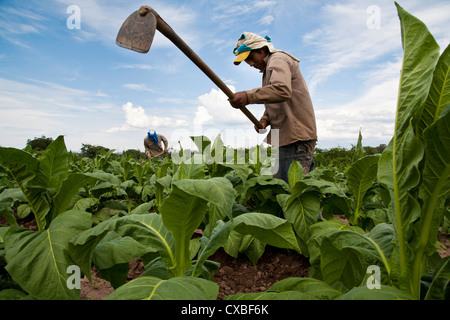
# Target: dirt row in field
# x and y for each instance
(233, 276)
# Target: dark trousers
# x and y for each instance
(301, 151)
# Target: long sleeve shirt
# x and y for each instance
(288, 105)
(152, 149)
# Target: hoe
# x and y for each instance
(137, 34)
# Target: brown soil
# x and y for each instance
(241, 276)
(234, 275)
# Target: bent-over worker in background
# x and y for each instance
(153, 144)
(288, 105)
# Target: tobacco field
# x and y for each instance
(105, 212)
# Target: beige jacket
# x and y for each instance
(288, 103)
(150, 147)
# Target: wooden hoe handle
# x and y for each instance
(168, 32)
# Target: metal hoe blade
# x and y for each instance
(137, 32)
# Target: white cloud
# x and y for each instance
(202, 116)
(214, 108)
(137, 87)
(267, 20)
(136, 119)
(33, 108)
(373, 111)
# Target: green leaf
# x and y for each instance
(268, 229)
(398, 168)
(208, 246)
(185, 208)
(202, 142)
(189, 171)
(439, 95)
(360, 178)
(147, 229)
(421, 53)
(12, 294)
(295, 173)
(54, 165)
(179, 288)
(346, 254)
(69, 188)
(359, 150)
(313, 287)
(301, 212)
(260, 183)
(7, 212)
(114, 249)
(244, 243)
(433, 191)
(440, 283)
(384, 293)
(38, 260)
(23, 167)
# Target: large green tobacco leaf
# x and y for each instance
(267, 228)
(434, 126)
(251, 230)
(38, 260)
(69, 188)
(398, 167)
(23, 167)
(53, 164)
(434, 190)
(189, 171)
(40, 179)
(179, 288)
(183, 211)
(244, 243)
(360, 177)
(421, 53)
(113, 254)
(302, 211)
(343, 255)
(439, 95)
(115, 249)
(147, 229)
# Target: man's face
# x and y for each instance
(256, 59)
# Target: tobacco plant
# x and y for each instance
(415, 169)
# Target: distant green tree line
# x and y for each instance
(339, 157)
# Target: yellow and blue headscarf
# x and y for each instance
(250, 41)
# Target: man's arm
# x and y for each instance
(279, 88)
(166, 143)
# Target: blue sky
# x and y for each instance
(59, 80)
